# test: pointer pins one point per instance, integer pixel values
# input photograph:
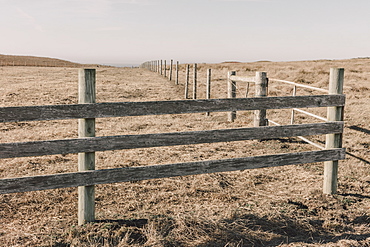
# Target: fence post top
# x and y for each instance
(86, 69)
(261, 78)
(261, 73)
(336, 81)
(335, 68)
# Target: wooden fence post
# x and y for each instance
(231, 93)
(333, 140)
(208, 87)
(293, 112)
(161, 70)
(187, 81)
(164, 70)
(261, 91)
(86, 161)
(171, 64)
(195, 81)
(177, 73)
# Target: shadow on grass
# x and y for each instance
(139, 223)
(244, 230)
(286, 140)
(363, 130)
(109, 232)
(359, 158)
(285, 230)
(356, 195)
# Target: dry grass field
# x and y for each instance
(281, 206)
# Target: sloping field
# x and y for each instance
(31, 61)
(281, 206)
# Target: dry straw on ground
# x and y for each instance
(281, 206)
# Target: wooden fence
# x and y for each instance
(161, 68)
(333, 114)
(87, 110)
(260, 117)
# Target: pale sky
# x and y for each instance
(134, 31)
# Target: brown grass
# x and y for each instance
(281, 206)
(31, 61)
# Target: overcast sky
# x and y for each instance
(134, 31)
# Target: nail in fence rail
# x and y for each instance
(90, 111)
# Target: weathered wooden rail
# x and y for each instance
(87, 144)
(333, 114)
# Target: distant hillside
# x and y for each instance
(11, 60)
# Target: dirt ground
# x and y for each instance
(281, 206)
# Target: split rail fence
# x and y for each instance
(87, 144)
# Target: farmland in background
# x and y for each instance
(263, 207)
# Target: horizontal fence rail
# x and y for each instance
(301, 137)
(310, 114)
(300, 85)
(121, 109)
(242, 78)
(92, 144)
(127, 174)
